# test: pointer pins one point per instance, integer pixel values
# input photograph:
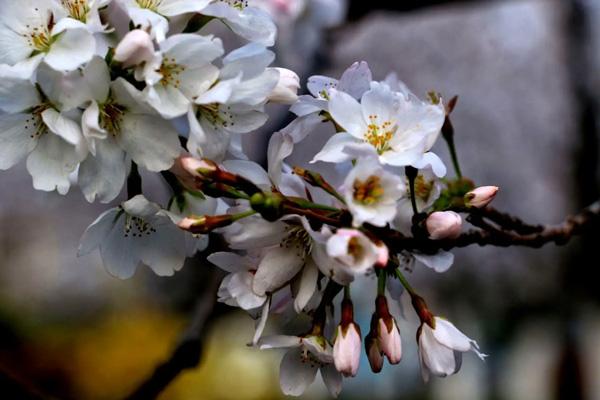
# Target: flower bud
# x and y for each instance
(191, 172)
(205, 224)
(374, 353)
(383, 255)
(443, 225)
(388, 333)
(135, 48)
(286, 91)
(481, 196)
(347, 346)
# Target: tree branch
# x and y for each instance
(558, 234)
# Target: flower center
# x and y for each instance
(151, 5)
(355, 249)
(111, 117)
(379, 134)
(422, 188)
(170, 71)
(77, 9)
(306, 357)
(35, 125)
(369, 191)
(137, 227)
(214, 114)
(38, 37)
(297, 238)
(239, 4)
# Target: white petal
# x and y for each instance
(240, 289)
(73, 48)
(262, 322)
(252, 24)
(379, 101)
(439, 262)
(120, 254)
(333, 151)
(347, 112)
(356, 80)
(448, 335)
(51, 163)
(278, 342)
(252, 233)
(95, 234)
(439, 359)
(431, 159)
(229, 262)
(139, 206)
(296, 376)
(332, 379)
(102, 176)
(164, 250)
(320, 86)
(192, 50)
(62, 126)
(150, 141)
(168, 101)
(16, 94)
(308, 285)
(16, 139)
(177, 7)
(278, 266)
(249, 170)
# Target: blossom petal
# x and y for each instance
(278, 266)
(95, 234)
(447, 334)
(102, 176)
(51, 162)
(278, 342)
(229, 262)
(332, 379)
(16, 139)
(164, 250)
(73, 48)
(150, 141)
(438, 358)
(333, 151)
(347, 113)
(439, 262)
(308, 285)
(356, 80)
(296, 376)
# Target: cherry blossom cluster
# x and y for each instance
(94, 92)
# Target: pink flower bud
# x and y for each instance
(286, 91)
(389, 339)
(191, 171)
(443, 225)
(374, 353)
(346, 349)
(383, 255)
(135, 48)
(481, 196)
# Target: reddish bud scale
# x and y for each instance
(347, 313)
(422, 310)
(382, 311)
(209, 223)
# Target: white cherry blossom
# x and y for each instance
(135, 233)
(30, 29)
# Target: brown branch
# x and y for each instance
(558, 234)
(188, 352)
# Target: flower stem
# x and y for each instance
(381, 283)
(411, 174)
(237, 217)
(405, 283)
(302, 203)
(347, 292)
(452, 149)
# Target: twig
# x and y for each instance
(558, 234)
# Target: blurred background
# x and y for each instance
(527, 74)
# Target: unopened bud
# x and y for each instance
(268, 205)
(347, 346)
(443, 225)
(374, 353)
(387, 331)
(192, 172)
(383, 255)
(135, 48)
(286, 91)
(422, 310)
(205, 224)
(481, 196)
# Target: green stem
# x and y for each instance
(452, 149)
(381, 283)
(404, 282)
(310, 205)
(347, 292)
(242, 215)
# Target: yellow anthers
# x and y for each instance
(354, 248)
(151, 5)
(34, 125)
(111, 116)
(379, 134)
(38, 38)
(77, 9)
(297, 238)
(239, 4)
(217, 114)
(369, 191)
(170, 70)
(423, 188)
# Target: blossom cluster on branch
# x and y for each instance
(93, 92)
